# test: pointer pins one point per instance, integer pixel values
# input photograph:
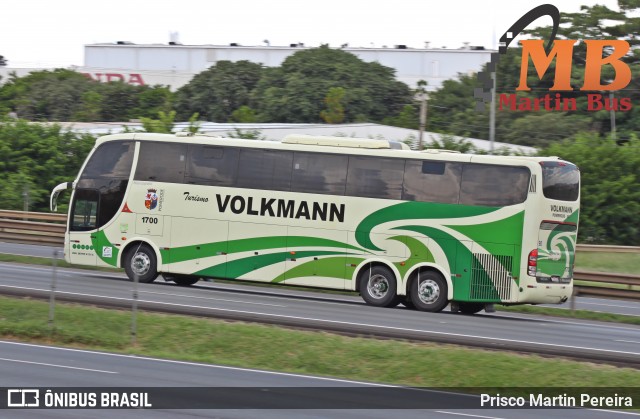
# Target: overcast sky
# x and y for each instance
(45, 33)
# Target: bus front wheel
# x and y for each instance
(185, 280)
(141, 261)
(378, 287)
(429, 292)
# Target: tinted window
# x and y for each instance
(110, 160)
(210, 165)
(265, 169)
(106, 174)
(429, 181)
(375, 177)
(319, 173)
(493, 185)
(161, 162)
(85, 210)
(560, 180)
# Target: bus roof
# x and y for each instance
(328, 144)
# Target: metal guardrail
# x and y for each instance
(607, 248)
(30, 228)
(20, 227)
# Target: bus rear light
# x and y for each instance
(532, 262)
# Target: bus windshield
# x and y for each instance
(560, 180)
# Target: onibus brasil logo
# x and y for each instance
(560, 50)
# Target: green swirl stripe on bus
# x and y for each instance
(332, 267)
(100, 240)
(413, 211)
(185, 253)
(236, 268)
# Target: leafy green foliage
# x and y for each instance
(296, 91)
(163, 125)
(610, 192)
(217, 92)
(334, 114)
(34, 158)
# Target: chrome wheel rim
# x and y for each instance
(378, 286)
(140, 263)
(428, 291)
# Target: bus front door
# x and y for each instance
(82, 228)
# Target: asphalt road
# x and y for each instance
(630, 308)
(28, 366)
(592, 340)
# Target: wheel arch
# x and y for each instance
(136, 242)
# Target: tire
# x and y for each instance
(428, 292)
(470, 308)
(185, 280)
(406, 301)
(378, 287)
(141, 260)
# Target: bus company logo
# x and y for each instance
(23, 397)
(151, 199)
(561, 51)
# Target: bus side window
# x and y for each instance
(215, 166)
(494, 185)
(161, 162)
(319, 173)
(375, 177)
(265, 169)
(432, 181)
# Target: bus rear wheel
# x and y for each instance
(378, 287)
(141, 261)
(470, 308)
(429, 292)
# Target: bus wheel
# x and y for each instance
(406, 301)
(141, 260)
(378, 287)
(429, 292)
(470, 308)
(185, 280)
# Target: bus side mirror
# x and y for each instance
(53, 201)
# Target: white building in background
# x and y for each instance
(175, 64)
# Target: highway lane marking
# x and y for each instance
(626, 341)
(210, 298)
(196, 364)
(57, 366)
(467, 414)
(346, 323)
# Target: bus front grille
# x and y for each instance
(491, 277)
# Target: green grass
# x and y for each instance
(628, 263)
(573, 314)
(280, 349)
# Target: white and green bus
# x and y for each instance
(420, 228)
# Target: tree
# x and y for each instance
(334, 113)
(164, 123)
(610, 190)
(37, 157)
(217, 92)
(46, 95)
(295, 91)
